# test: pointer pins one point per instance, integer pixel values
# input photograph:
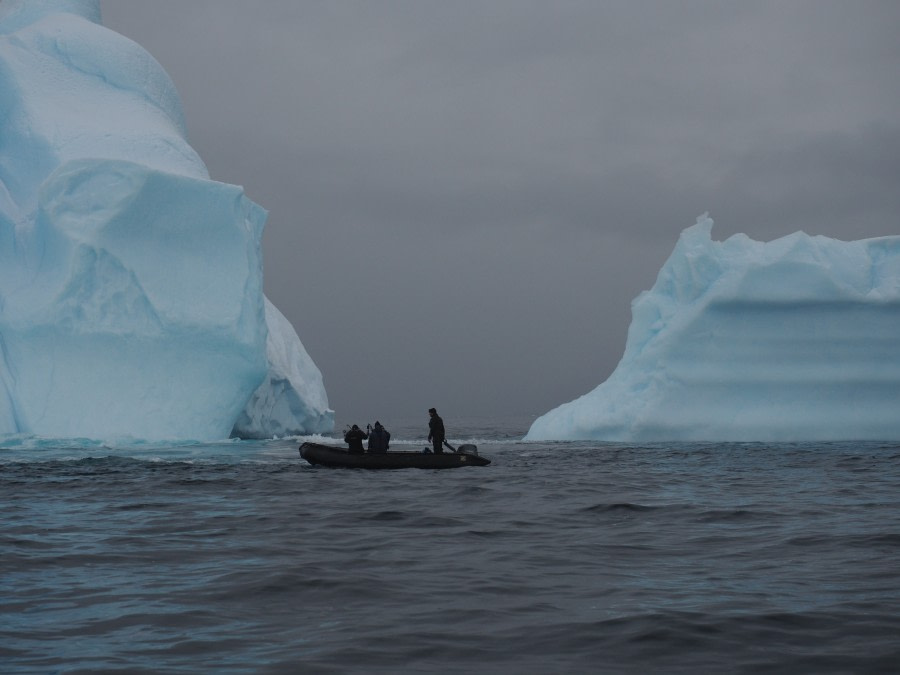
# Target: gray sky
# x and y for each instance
(464, 197)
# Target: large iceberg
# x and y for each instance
(796, 339)
(131, 299)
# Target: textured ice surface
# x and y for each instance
(131, 296)
(291, 400)
(793, 339)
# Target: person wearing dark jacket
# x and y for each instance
(354, 438)
(379, 439)
(436, 431)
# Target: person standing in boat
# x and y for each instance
(354, 438)
(436, 431)
(379, 438)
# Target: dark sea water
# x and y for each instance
(557, 558)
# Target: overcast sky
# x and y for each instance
(464, 197)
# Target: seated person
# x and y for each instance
(379, 439)
(354, 438)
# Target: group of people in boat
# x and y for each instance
(379, 438)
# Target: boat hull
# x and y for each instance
(332, 456)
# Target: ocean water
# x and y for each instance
(238, 557)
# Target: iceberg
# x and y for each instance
(131, 301)
(796, 339)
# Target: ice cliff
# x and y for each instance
(796, 339)
(131, 299)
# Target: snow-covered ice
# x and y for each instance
(790, 340)
(131, 299)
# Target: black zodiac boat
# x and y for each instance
(333, 456)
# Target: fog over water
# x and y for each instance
(465, 197)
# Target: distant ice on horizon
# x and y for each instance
(131, 299)
(796, 339)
